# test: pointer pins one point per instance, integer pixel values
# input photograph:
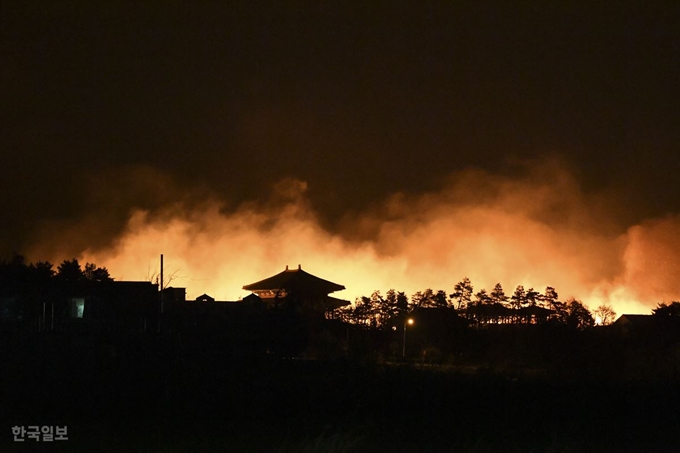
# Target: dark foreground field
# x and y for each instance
(151, 395)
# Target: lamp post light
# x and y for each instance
(408, 321)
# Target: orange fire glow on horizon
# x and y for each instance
(539, 230)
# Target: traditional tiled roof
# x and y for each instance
(334, 302)
(295, 280)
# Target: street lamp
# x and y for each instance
(408, 321)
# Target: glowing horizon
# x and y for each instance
(534, 231)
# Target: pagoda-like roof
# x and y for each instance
(334, 302)
(295, 279)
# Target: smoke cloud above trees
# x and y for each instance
(535, 227)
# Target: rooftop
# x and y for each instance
(294, 279)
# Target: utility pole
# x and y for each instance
(160, 288)
(161, 284)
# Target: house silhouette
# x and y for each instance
(295, 286)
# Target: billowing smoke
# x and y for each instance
(652, 259)
(536, 228)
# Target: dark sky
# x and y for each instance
(106, 106)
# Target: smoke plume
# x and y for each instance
(536, 227)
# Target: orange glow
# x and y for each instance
(539, 230)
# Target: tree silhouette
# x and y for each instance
(69, 271)
(518, 298)
(498, 295)
(605, 313)
(378, 314)
(578, 315)
(388, 306)
(479, 309)
(664, 310)
(154, 276)
(96, 274)
(402, 304)
(531, 297)
(41, 272)
(423, 299)
(499, 311)
(364, 312)
(41, 277)
(440, 300)
(462, 293)
(429, 299)
(482, 297)
(550, 298)
(393, 305)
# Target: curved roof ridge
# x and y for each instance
(291, 278)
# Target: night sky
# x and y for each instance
(107, 108)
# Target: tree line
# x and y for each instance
(19, 278)
(41, 280)
(523, 306)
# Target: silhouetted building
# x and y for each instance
(235, 326)
(295, 286)
(174, 295)
(635, 323)
(205, 298)
(115, 305)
